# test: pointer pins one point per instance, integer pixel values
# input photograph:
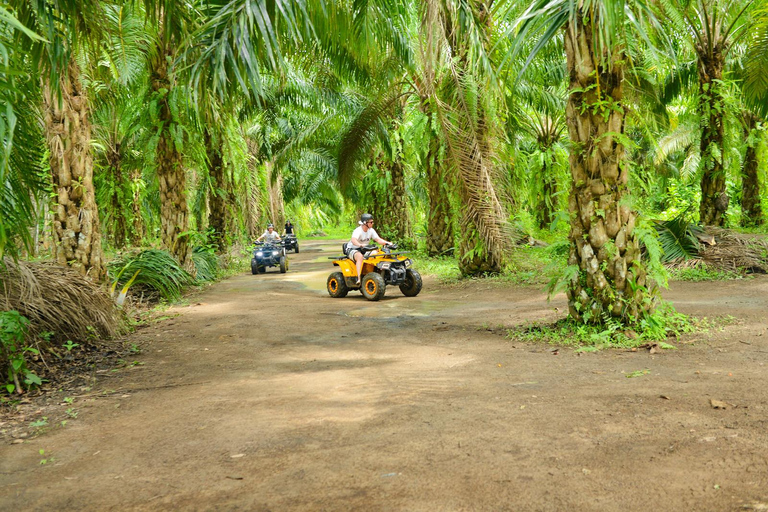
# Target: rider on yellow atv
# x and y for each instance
(361, 237)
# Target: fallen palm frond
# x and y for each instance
(678, 238)
(60, 301)
(726, 250)
(736, 251)
(157, 270)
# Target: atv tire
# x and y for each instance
(254, 268)
(296, 250)
(283, 264)
(336, 285)
(412, 285)
(373, 286)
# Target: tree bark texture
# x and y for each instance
(76, 233)
(751, 207)
(714, 199)
(610, 281)
(174, 211)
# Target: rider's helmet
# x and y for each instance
(270, 225)
(364, 218)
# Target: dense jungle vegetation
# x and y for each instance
(146, 143)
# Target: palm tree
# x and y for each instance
(67, 110)
(713, 29)
(606, 278)
(751, 197)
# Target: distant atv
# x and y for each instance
(380, 268)
(267, 254)
(291, 243)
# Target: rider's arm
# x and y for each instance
(356, 242)
(381, 241)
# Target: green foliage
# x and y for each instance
(154, 269)
(660, 325)
(704, 272)
(13, 332)
(206, 264)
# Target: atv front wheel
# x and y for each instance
(283, 264)
(296, 250)
(374, 286)
(412, 285)
(337, 287)
(254, 268)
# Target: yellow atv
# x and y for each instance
(380, 268)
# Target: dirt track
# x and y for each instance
(266, 394)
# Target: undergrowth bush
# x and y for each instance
(153, 269)
(664, 323)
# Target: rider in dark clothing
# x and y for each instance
(288, 228)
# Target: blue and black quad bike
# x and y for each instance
(268, 254)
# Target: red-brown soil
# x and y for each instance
(266, 394)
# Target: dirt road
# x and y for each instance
(266, 394)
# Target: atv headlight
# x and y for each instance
(385, 265)
(259, 254)
(407, 263)
(275, 253)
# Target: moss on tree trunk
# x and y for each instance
(608, 279)
(76, 233)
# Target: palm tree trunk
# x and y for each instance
(68, 133)
(137, 233)
(714, 199)
(397, 219)
(439, 218)
(174, 212)
(253, 190)
(219, 199)
(546, 210)
(276, 206)
(751, 207)
(119, 222)
(610, 281)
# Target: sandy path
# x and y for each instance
(266, 394)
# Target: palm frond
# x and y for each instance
(677, 238)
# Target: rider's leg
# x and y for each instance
(359, 264)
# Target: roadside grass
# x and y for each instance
(705, 273)
(656, 332)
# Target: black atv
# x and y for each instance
(268, 254)
(291, 243)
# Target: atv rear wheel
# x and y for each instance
(412, 285)
(373, 286)
(337, 287)
(283, 264)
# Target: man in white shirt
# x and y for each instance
(361, 237)
(270, 235)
